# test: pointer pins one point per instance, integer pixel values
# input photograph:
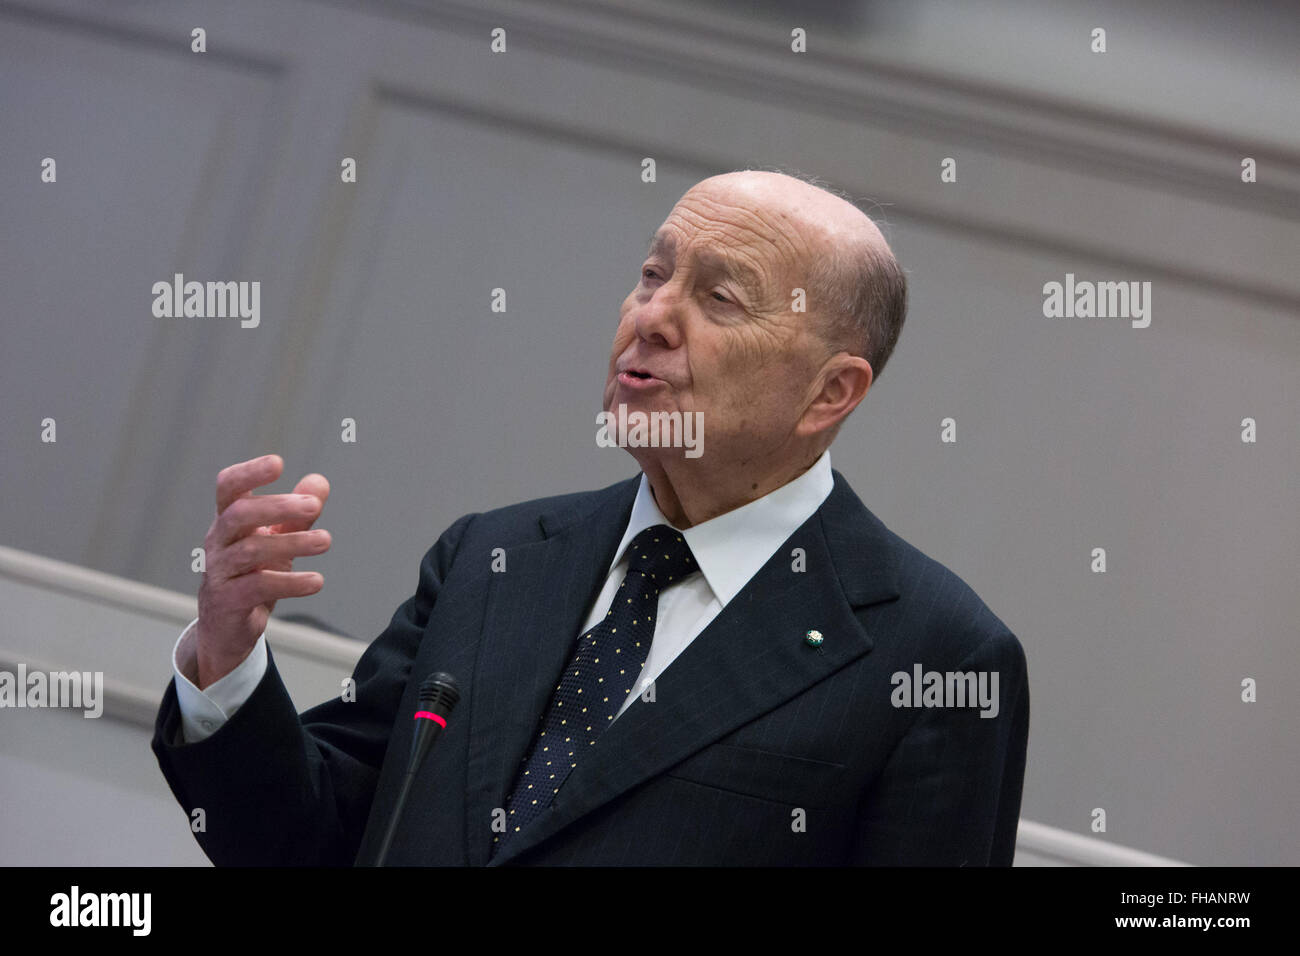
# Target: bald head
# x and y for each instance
(825, 218)
(856, 289)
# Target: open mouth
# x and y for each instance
(637, 378)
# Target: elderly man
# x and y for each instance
(726, 659)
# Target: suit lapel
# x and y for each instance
(534, 611)
(750, 659)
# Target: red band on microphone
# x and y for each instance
(429, 715)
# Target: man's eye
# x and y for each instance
(720, 297)
(648, 273)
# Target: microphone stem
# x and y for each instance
(399, 806)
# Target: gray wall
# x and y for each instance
(522, 171)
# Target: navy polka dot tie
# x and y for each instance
(604, 669)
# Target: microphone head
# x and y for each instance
(439, 694)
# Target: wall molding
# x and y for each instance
(1050, 175)
(730, 54)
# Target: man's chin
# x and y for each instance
(658, 459)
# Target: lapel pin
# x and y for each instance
(813, 638)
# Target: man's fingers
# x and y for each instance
(312, 484)
(246, 515)
(265, 587)
(274, 552)
(238, 480)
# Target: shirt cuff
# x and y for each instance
(203, 712)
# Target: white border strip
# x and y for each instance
(1075, 849)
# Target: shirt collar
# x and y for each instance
(730, 549)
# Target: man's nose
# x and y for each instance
(660, 318)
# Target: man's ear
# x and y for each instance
(844, 382)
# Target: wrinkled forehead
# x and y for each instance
(751, 233)
(744, 213)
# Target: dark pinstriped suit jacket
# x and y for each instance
(750, 724)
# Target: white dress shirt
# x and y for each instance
(729, 550)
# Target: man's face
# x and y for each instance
(711, 322)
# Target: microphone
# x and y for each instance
(438, 697)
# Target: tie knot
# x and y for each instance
(663, 552)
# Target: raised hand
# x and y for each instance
(250, 549)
